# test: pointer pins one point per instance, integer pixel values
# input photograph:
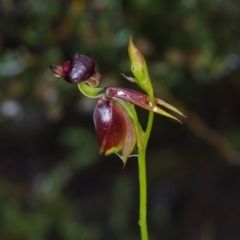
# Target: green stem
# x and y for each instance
(143, 193)
(143, 177)
(149, 128)
(142, 140)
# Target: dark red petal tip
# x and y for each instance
(53, 67)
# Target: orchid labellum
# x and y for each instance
(79, 68)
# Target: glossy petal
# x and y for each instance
(141, 100)
(79, 68)
(115, 131)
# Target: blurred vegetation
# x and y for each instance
(54, 184)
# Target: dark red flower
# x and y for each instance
(79, 68)
(114, 114)
(114, 128)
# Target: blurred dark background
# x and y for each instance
(53, 182)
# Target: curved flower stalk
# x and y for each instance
(115, 119)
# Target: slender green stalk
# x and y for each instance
(143, 178)
(150, 116)
(149, 128)
(143, 193)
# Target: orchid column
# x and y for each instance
(115, 119)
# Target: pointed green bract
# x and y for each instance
(139, 68)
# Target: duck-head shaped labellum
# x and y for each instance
(80, 68)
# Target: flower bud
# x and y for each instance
(139, 68)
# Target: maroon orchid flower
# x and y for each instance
(114, 117)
